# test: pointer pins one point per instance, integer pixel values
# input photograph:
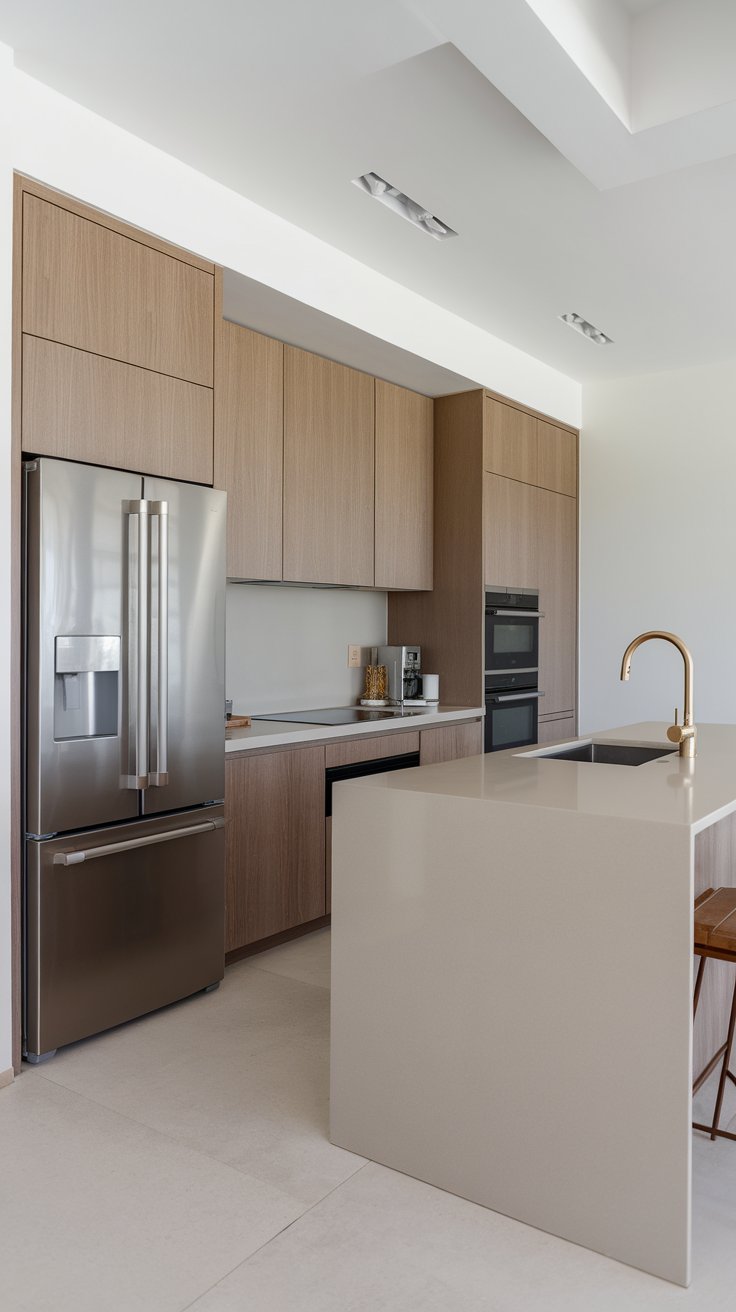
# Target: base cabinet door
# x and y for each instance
(552, 731)
(275, 843)
(448, 742)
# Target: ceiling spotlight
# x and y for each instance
(588, 330)
(402, 204)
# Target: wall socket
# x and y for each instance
(355, 656)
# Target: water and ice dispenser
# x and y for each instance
(86, 677)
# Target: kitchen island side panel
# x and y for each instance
(511, 998)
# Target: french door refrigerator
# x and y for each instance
(124, 692)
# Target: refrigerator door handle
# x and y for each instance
(140, 510)
(159, 777)
(148, 840)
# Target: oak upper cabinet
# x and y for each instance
(403, 488)
(511, 542)
(274, 843)
(91, 287)
(117, 342)
(509, 441)
(557, 459)
(249, 448)
(328, 471)
(449, 742)
(557, 527)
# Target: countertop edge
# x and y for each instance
(261, 736)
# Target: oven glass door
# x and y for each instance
(511, 721)
(512, 642)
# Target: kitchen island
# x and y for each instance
(512, 982)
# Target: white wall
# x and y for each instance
(658, 543)
(287, 647)
(6, 214)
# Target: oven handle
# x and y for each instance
(512, 696)
(520, 614)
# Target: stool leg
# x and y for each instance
(724, 1069)
(698, 984)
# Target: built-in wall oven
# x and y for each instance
(511, 669)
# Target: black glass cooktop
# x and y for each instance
(341, 715)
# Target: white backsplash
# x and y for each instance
(287, 648)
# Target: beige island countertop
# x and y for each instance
(512, 982)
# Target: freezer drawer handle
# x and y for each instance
(112, 849)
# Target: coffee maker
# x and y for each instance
(404, 670)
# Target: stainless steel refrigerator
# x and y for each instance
(124, 650)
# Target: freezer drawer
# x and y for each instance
(120, 921)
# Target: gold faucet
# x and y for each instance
(685, 733)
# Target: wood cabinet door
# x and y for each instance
(551, 731)
(403, 489)
(274, 843)
(511, 533)
(249, 448)
(91, 287)
(84, 407)
(557, 459)
(558, 600)
(448, 742)
(328, 471)
(509, 441)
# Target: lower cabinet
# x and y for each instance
(551, 731)
(448, 742)
(275, 843)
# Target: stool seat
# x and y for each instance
(715, 938)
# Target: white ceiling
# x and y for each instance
(286, 102)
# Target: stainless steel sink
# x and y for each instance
(608, 754)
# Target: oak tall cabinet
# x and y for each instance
(328, 471)
(403, 491)
(520, 531)
(117, 341)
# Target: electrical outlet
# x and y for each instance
(354, 657)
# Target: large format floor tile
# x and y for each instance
(241, 1074)
(307, 959)
(102, 1213)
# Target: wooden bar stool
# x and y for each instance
(715, 936)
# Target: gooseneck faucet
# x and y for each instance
(684, 734)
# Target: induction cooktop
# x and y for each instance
(340, 715)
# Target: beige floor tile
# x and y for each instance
(101, 1214)
(241, 1074)
(306, 958)
(385, 1243)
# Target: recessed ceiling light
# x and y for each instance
(402, 204)
(588, 330)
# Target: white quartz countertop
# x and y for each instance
(670, 790)
(279, 733)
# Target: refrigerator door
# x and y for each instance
(76, 645)
(187, 693)
(121, 921)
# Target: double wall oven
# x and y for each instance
(511, 669)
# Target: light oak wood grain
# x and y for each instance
(715, 867)
(556, 520)
(85, 407)
(249, 448)
(509, 442)
(557, 459)
(275, 843)
(370, 749)
(96, 215)
(448, 622)
(449, 742)
(512, 543)
(528, 410)
(550, 731)
(92, 288)
(404, 488)
(328, 471)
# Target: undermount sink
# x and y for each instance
(608, 754)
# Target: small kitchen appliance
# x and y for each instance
(404, 666)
